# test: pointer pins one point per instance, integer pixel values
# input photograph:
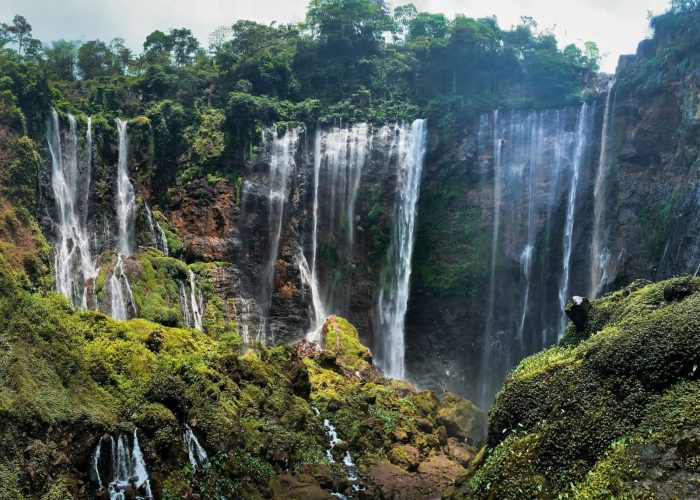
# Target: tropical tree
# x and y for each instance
(95, 59)
(61, 58)
(19, 32)
(184, 45)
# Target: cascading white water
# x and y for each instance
(126, 198)
(525, 156)
(158, 238)
(281, 168)
(139, 467)
(192, 303)
(196, 302)
(127, 466)
(333, 438)
(88, 171)
(196, 453)
(392, 298)
(600, 255)
(526, 268)
(248, 320)
(318, 310)
(73, 262)
(497, 194)
(185, 305)
(126, 213)
(340, 154)
(95, 472)
(118, 284)
(582, 135)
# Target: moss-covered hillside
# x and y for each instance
(71, 379)
(611, 412)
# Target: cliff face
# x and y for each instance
(635, 216)
(517, 212)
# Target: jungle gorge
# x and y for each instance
(378, 253)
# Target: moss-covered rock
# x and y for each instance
(605, 413)
(405, 456)
(341, 340)
(461, 418)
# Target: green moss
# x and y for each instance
(612, 476)
(452, 251)
(509, 471)
(342, 341)
(603, 403)
(9, 481)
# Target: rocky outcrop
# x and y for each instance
(607, 410)
(577, 310)
(205, 217)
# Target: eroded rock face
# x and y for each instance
(206, 219)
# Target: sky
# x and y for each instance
(616, 25)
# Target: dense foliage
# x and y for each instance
(349, 59)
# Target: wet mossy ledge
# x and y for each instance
(68, 378)
(611, 412)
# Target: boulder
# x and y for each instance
(298, 376)
(405, 456)
(461, 418)
(459, 452)
(286, 486)
(439, 472)
(578, 311)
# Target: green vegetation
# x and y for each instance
(349, 59)
(600, 415)
(373, 413)
(453, 250)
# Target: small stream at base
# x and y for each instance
(350, 466)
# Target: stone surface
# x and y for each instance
(461, 418)
(405, 456)
(577, 310)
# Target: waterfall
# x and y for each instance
(340, 154)
(73, 262)
(582, 133)
(126, 467)
(126, 211)
(197, 302)
(281, 168)
(196, 453)
(497, 195)
(526, 268)
(524, 157)
(392, 299)
(139, 466)
(248, 320)
(158, 238)
(126, 199)
(118, 283)
(95, 472)
(333, 438)
(318, 311)
(88, 170)
(185, 305)
(192, 304)
(600, 256)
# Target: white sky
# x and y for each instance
(616, 25)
